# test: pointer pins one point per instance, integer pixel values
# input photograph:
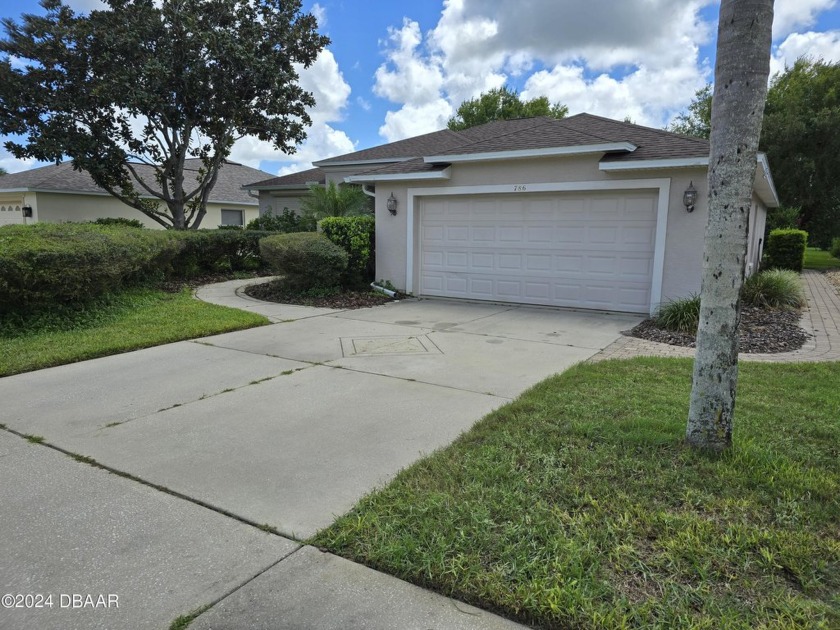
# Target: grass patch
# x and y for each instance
(183, 622)
(578, 505)
(133, 319)
(820, 259)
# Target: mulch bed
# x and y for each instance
(345, 300)
(762, 331)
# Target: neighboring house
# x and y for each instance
(583, 212)
(57, 193)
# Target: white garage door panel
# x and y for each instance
(585, 250)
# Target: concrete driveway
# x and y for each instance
(290, 424)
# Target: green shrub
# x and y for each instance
(681, 315)
(286, 222)
(119, 221)
(306, 260)
(357, 236)
(786, 249)
(214, 251)
(774, 288)
(47, 263)
(835, 248)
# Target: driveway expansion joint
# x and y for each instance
(84, 459)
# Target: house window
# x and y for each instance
(233, 217)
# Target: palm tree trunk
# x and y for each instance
(741, 72)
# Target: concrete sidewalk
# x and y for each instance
(284, 426)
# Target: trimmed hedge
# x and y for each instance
(306, 260)
(786, 249)
(835, 248)
(214, 251)
(48, 263)
(357, 236)
(119, 222)
(286, 222)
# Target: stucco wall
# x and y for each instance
(58, 208)
(275, 202)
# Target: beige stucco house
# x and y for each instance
(583, 212)
(57, 193)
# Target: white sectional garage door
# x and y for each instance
(586, 250)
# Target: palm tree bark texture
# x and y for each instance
(742, 68)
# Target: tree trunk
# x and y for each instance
(741, 72)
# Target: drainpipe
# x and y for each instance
(368, 192)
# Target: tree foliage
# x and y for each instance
(697, 121)
(502, 104)
(334, 201)
(801, 138)
(742, 67)
(130, 93)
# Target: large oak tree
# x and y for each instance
(741, 71)
(502, 104)
(802, 139)
(130, 93)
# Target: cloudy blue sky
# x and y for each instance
(396, 69)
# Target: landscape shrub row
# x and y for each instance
(285, 222)
(835, 248)
(43, 264)
(216, 251)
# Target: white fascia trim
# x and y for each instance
(401, 177)
(332, 162)
(636, 165)
(663, 186)
(532, 153)
(15, 190)
(765, 166)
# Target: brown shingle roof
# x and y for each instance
(653, 144)
(520, 134)
(403, 149)
(417, 165)
(62, 178)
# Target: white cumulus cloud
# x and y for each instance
(637, 58)
(789, 15)
(824, 46)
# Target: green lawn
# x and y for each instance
(820, 259)
(138, 318)
(578, 506)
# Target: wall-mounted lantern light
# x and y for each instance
(690, 197)
(27, 211)
(392, 204)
